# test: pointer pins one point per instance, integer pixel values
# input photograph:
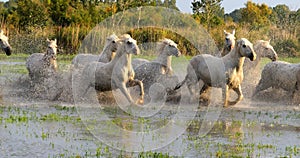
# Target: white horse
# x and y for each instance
(117, 73)
(225, 72)
(229, 42)
(150, 72)
(4, 43)
(279, 74)
(263, 49)
(43, 64)
(106, 55)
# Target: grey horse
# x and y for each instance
(43, 64)
(117, 74)
(225, 72)
(160, 69)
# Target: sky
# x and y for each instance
(231, 5)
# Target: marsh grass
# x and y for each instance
(234, 146)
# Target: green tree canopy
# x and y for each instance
(208, 12)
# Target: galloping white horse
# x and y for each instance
(4, 43)
(43, 64)
(263, 49)
(280, 74)
(117, 73)
(150, 72)
(225, 72)
(106, 55)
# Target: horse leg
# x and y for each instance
(192, 89)
(225, 94)
(205, 89)
(238, 91)
(123, 88)
(132, 83)
(262, 85)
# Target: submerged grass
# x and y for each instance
(22, 115)
(235, 147)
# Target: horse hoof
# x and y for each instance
(140, 102)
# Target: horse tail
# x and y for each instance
(179, 85)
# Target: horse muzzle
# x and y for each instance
(178, 54)
(274, 58)
(137, 51)
(7, 50)
(252, 56)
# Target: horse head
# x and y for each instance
(4, 43)
(52, 47)
(245, 49)
(169, 47)
(268, 50)
(129, 44)
(111, 42)
(229, 40)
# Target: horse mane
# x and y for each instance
(261, 43)
(112, 37)
(124, 37)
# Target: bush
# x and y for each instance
(287, 48)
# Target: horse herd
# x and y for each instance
(115, 69)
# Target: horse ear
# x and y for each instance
(225, 32)
(1, 31)
(55, 40)
(269, 40)
(48, 40)
(233, 32)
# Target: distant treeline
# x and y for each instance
(29, 22)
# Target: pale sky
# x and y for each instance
(231, 5)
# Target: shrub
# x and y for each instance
(287, 48)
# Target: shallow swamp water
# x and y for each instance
(42, 128)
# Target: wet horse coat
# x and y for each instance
(225, 72)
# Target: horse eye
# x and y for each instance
(244, 46)
(129, 42)
(113, 41)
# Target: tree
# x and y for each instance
(281, 14)
(170, 4)
(208, 12)
(255, 14)
(236, 15)
(31, 14)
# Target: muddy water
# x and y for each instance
(36, 127)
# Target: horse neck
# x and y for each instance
(259, 51)
(49, 56)
(236, 60)
(106, 53)
(121, 58)
(164, 59)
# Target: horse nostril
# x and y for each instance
(251, 57)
